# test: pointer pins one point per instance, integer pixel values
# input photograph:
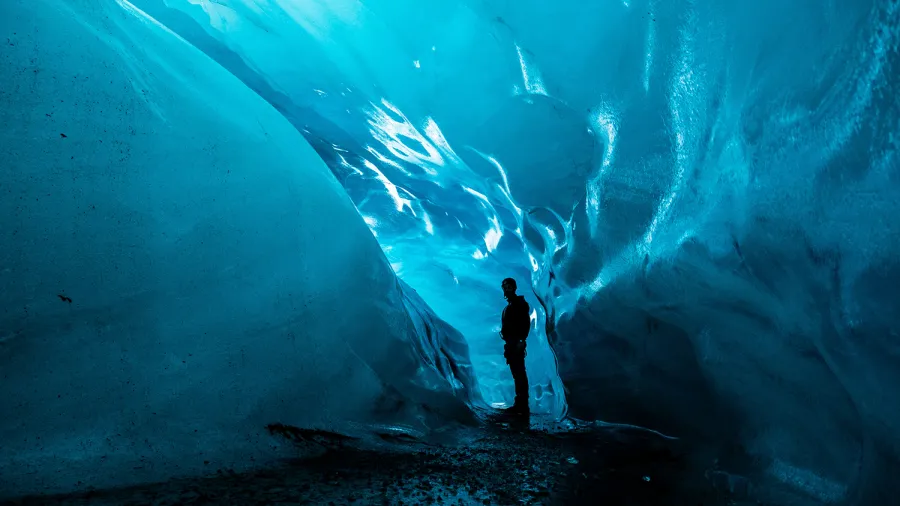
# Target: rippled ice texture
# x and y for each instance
(705, 194)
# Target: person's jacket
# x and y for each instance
(516, 320)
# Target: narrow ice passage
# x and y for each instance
(220, 214)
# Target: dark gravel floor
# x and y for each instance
(506, 462)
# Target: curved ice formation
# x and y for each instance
(179, 268)
(705, 194)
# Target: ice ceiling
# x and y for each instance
(703, 196)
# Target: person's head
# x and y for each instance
(509, 287)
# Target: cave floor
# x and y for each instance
(508, 461)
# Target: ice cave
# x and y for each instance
(220, 215)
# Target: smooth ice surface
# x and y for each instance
(706, 192)
(178, 267)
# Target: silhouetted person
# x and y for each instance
(516, 322)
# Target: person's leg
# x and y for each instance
(520, 378)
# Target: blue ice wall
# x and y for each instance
(179, 269)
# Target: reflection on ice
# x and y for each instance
(391, 130)
(530, 75)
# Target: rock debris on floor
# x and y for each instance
(505, 463)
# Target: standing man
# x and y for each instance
(515, 325)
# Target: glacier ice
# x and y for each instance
(703, 195)
(179, 268)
